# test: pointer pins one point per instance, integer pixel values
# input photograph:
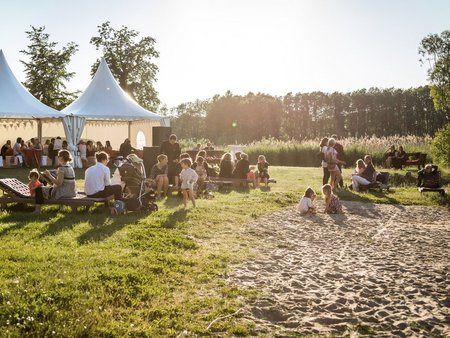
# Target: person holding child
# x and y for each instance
(188, 178)
(159, 173)
(306, 204)
(263, 171)
(63, 184)
(323, 149)
(332, 163)
(332, 203)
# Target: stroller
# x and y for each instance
(138, 191)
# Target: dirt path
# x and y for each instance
(378, 269)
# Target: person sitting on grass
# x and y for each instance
(226, 166)
(188, 178)
(263, 171)
(332, 203)
(357, 177)
(63, 182)
(34, 182)
(159, 173)
(306, 204)
(97, 179)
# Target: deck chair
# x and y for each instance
(15, 191)
(432, 183)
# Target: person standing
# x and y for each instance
(323, 149)
(5, 149)
(17, 151)
(171, 148)
(340, 156)
(126, 148)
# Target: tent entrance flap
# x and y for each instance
(73, 128)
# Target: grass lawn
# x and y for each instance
(90, 274)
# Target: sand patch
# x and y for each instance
(377, 269)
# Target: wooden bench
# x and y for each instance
(236, 182)
(418, 159)
(212, 156)
(15, 191)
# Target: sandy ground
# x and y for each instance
(380, 270)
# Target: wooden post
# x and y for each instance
(39, 135)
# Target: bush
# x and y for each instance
(440, 147)
(304, 153)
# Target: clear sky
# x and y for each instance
(273, 46)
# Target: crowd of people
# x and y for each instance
(189, 175)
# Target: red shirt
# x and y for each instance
(33, 185)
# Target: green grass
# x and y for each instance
(89, 274)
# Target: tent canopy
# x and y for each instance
(16, 102)
(103, 99)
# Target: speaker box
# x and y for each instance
(160, 134)
(150, 158)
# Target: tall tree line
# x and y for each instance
(374, 111)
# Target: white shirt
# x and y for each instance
(188, 178)
(324, 151)
(304, 205)
(16, 149)
(57, 145)
(96, 178)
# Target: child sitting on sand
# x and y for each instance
(332, 203)
(306, 204)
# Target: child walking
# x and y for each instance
(306, 204)
(188, 177)
(332, 203)
(34, 182)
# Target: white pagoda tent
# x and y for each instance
(21, 114)
(107, 113)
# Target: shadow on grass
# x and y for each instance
(381, 196)
(103, 225)
(171, 221)
(172, 201)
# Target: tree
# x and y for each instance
(46, 72)
(435, 49)
(130, 62)
(440, 148)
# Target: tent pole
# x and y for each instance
(129, 130)
(39, 134)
